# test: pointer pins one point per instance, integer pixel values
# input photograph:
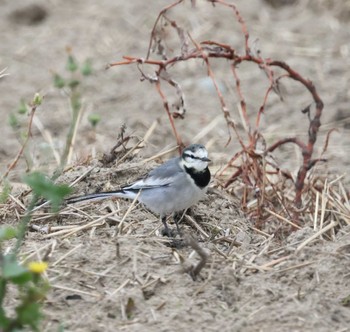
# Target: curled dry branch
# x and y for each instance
(253, 164)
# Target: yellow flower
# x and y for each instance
(37, 267)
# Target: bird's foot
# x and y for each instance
(174, 242)
(169, 233)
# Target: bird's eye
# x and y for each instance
(190, 156)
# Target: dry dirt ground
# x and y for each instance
(133, 280)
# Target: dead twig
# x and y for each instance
(204, 256)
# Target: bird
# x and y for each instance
(170, 188)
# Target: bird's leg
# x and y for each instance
(177, 216)
(166, 230)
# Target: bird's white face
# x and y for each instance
(195, 156)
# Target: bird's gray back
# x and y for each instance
(161, 176)
(169, 169)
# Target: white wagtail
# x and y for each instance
(169, 188)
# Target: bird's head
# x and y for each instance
(195, 156)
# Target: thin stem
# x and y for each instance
(20, 152)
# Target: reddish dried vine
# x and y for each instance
(254, 163)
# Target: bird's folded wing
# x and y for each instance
(162, 176)
(150, 183)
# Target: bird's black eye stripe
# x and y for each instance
(191, 156)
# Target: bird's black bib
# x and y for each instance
(201, 179)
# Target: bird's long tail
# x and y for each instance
(119, 193)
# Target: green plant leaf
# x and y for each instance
(29, 314)
(86, 68)
(12, 270)
(22, 109)
(23, 278)
(4, 321)
(42, 186)
(7, 233)
(3, 284)
(13, 121)
(58, 81)
(94, 119)
(72, 64)
(6, 190)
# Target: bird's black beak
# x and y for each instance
(205, 159)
